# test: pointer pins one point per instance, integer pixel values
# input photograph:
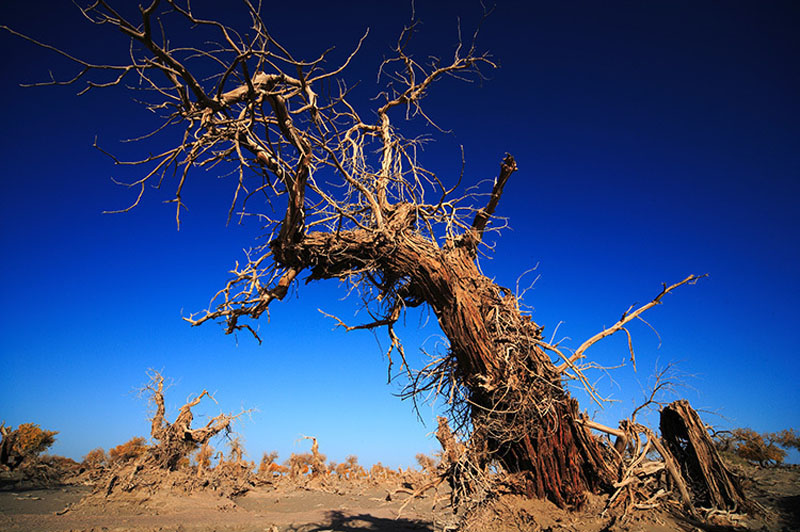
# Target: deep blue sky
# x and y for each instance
(654, 140)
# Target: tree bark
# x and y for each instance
(520, 412)
(520, 408)
(711, 483)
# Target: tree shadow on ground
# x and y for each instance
(344, 522)
(790, 508)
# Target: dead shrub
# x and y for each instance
(427, 463)
(268, 468)
(203, 458)
(95, 459)
(94, 464)
(299, 465)
(125, 452)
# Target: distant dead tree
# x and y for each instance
(343, 195)
(317, 462)
(176, 441)
(135, 465)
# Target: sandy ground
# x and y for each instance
(293, 509)
(263, 510)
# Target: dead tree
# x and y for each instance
(354, 203)
(177, 440)
(319, 469)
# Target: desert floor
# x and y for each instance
(287, 508)
(262, 509)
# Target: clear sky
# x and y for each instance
(654, 140)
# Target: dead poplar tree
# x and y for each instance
(354, 203)
(175, 441)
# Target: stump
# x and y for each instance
(711, 483)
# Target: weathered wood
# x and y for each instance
(175, 441)
(520, 412)
(711, 483)
(674, 471)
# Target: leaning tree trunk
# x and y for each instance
(520, 412)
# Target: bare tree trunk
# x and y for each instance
(517, 405)
(521, 412)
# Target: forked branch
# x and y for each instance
(626, 318)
